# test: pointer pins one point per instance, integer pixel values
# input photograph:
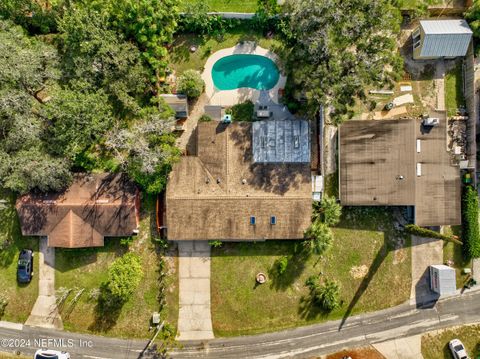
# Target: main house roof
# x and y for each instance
(214, 195)
(93, 207)
(378, 166)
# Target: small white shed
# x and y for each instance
(442, 279)
(434, 39)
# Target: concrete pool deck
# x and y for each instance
(232, 97)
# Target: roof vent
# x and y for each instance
(244, 181)
(207, 180)
(218, 180)
(101, 201)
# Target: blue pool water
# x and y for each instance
(243, 70)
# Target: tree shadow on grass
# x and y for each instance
(309, 310)
(107, 312)
(295, 267)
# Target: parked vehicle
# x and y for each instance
(458, 349)
(25, 266)
(50, 354)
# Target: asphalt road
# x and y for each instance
(401, 321)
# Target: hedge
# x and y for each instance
(470, 227)
(428, 233)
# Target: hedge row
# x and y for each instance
(428, 233)
(470, 227)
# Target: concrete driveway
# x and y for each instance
(45, 313)
(194, 318)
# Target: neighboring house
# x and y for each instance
(179, 104)
(400, 163)
(93, 207)
(435, 39)
(222, 194)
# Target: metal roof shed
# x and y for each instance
(442, 279)
(441, 38)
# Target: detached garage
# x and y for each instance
(435, 39)
(442, 279)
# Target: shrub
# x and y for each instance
(205, 118)
(191, 84)
(3, 306)
(326, 295)
(327, 211)
(242, 111)
(124, 275)
(196, 19)
(470, 227)
(428, 233)
(281, 265)
(318, 237)
(215, 244)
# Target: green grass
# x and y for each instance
(87, 268)
(363, 240)
(230, 5)
(182, 59)
(435, 345)
(453, 252)
(454, 90)
(331, 185)
(21, 298)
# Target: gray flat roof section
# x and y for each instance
(281, 141)
(438, 189)
(373, 156)
(178, 103)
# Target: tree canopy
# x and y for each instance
(339, 47)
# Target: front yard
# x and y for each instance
(435, 345)
(453, 253)
(87, 268)
(20, 298)
(369, 259)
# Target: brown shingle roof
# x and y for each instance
(93, 207)
(373, 156)
(213, 195)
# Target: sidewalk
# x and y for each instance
(194, 318)
(402, 348)
(44, 313)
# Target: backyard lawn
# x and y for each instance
(230, 5)
(435, 345)
(21, 298)
(87, 269)
(182, 59)
(454, 98)
(372, 276)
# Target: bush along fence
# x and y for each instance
(428, 233)
(470, 226)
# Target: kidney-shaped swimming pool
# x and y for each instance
(244, 70)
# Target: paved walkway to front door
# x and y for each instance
(44, 313)
(194, 318)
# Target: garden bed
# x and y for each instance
(372, 275)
